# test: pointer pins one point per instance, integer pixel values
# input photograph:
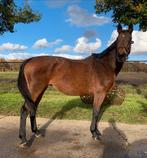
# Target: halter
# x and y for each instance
(120, 57)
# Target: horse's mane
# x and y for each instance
(106, 51)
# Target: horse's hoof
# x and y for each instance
(23, 145)
(98, 133)
(97, 138)
(38, 134)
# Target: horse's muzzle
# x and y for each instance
(122, 58)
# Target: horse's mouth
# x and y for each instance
(122, 58)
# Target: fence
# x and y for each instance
(129, 66)
(9, 66)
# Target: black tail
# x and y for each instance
(23, 88)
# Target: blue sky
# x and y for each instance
(68, 28)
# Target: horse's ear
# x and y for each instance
(119, 28)
(130, 28)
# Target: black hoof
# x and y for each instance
(96, 135)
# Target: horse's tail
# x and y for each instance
(23, 88)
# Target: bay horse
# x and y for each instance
(94, 75)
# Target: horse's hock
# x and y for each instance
(115, 97)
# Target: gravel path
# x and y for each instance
(72, 139)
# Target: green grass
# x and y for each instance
(57, 105)
(9, 75)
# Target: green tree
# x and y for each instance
(11, 14)
(125, 11)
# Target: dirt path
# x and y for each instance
(72, 139)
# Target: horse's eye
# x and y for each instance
(132, 42)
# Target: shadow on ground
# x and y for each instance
(116, 144)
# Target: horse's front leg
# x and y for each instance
(98, 100)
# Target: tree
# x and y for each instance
(11, 14)
(125, 11)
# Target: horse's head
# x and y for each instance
(124, 41)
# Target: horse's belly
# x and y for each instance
(71, 81)
(65, 90)
(70, 88)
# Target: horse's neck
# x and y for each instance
(111, 60)
(118, 67)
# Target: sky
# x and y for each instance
(68, 28)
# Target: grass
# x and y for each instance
(7, 75)
(57, 105)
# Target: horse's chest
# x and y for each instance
(103, 81)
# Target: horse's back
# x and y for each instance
(69, 76)
(46, 63)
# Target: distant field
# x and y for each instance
(134, 78)
(57, 105)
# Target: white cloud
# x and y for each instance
(21, 55)
(113, 37)
(25, 55)
(63, 49)
(69, 56)
(139, 38)
(40, 43)
(140, 42)
(60, 3)
(81, 17)
(56, 42)
(12, 47)
(43, 43)
(83, 46)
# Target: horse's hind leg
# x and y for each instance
(36, 96)
(22, 130)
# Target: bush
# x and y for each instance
(115, 97)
